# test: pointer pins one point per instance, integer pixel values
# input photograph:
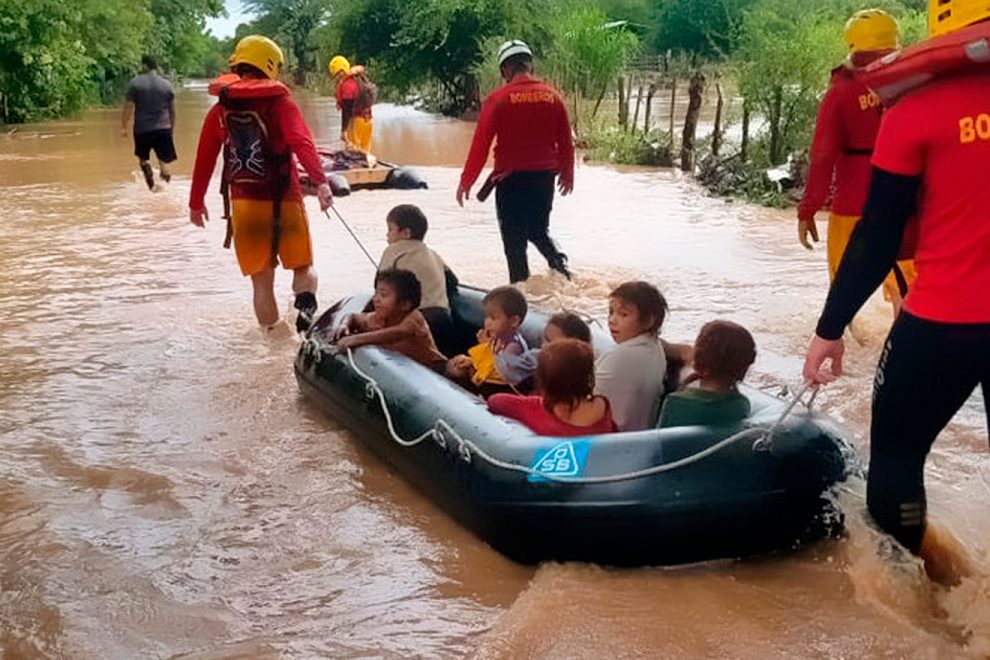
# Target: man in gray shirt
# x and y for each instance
(151, 101)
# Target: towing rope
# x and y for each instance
(442, 432)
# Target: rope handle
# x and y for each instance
(442, 430)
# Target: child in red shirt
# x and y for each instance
(568, 406)
(395, 323)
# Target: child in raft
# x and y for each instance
(631, 375)
(567, 405)
(723, 353)
(562, 325)
(406, 229)
(499, 342)
(395, 323)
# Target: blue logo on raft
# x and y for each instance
(565, 459)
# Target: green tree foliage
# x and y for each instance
(292, 24)
(56, 57)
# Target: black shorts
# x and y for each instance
(160, 141)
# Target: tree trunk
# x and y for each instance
(598, 102)
(744, 147)
(775, 117)
(717, 132)
(696, 95)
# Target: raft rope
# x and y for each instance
(353, 235)
(442, 430)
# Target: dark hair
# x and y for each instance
(409, 216)
(572, 325)
(565, 372)
(509, 300)
(406, 285)
(149, 62)
(520, 63)
(724, 350)
(647, 300)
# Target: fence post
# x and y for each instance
(696, 93)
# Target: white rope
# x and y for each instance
(466, 447)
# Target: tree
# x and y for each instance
(292, 23)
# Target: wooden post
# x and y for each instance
(639, 102)
(623, 103)
(744, 147)
(649, 105)
(673, 102)
(717, 132)
(696, 93)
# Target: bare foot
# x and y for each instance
(945, 557)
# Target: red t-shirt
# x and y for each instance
(530, 411)
(530, 121)
(848, 121)
(288, 132)
(942, 134)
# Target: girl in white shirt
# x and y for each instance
(631, 375)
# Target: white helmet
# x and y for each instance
(510, 48)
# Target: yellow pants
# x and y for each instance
(358, 133)
(840, 229)
(254, 235)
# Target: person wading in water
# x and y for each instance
(931, 160)
(533, 147)
(151, 102)
(848, 122)
(260, 129)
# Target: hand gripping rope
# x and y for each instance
(442, 432)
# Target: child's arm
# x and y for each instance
(405, 329)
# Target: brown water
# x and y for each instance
(166, 492)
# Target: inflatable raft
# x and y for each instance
(353, 170)
(667, 496)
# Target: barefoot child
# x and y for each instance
(723, 354)
(394, 324)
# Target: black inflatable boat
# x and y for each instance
(665, 496)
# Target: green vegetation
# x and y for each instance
(57, 57)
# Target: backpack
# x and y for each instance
(367, 91)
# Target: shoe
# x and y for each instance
(306, 304)
(560, 265)
(149, 175)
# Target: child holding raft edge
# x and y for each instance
(395, 323)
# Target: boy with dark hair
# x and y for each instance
(394, 323)
(407, 226)
(723, 353)
(490, 364)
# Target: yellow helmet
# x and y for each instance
(260, 52)
(950, 15)
(872, 29)
(339, 64)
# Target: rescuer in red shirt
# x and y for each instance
(533, 146)
(261, 130)
(846, 130)
(932, 160)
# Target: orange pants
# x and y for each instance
(358, 133)
(254, 235)
(840, 229)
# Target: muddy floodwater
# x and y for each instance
(165, 491)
